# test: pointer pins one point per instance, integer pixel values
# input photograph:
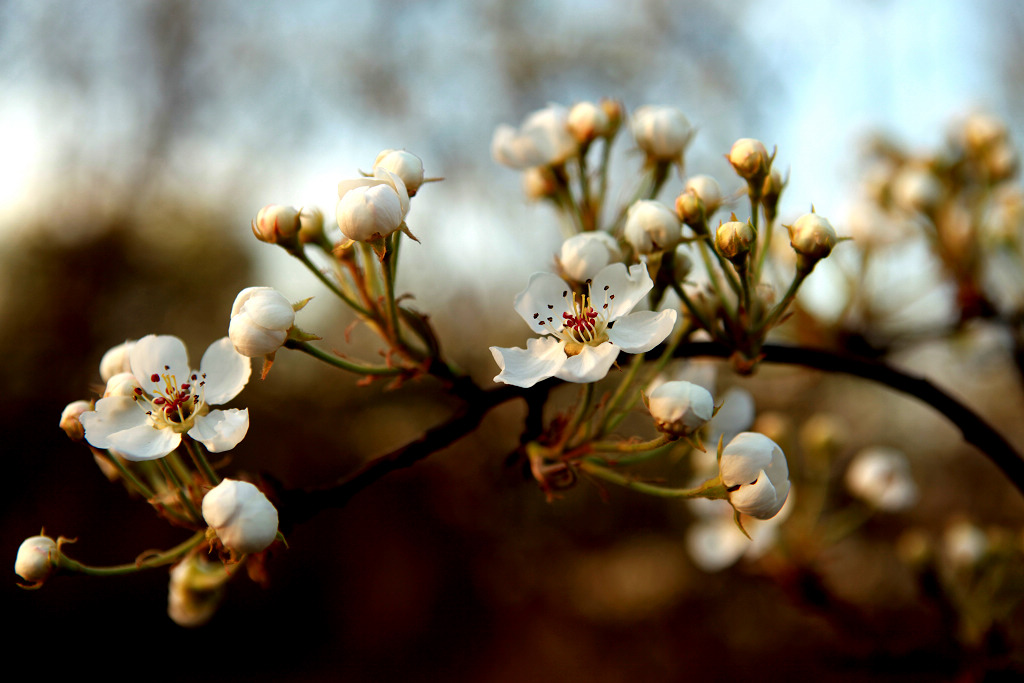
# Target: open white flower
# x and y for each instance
(171, 400)
(754, 470)
(582, 334)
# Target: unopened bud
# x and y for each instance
(680, 408)
(812, 238)
(587, 122)
(734, 240)
(750, 160)
(583, 255)
(311, 226)
(69, 421)
(405, 165)
(662, 132)
(245, 521)
(36, 560)
(651, 227)
(276, 224)
(260, 320)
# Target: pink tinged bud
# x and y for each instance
(680, 408)
(275, 223)
(651, 227)
(261, 318)
(36, 559)
(245, 521)
(405, 165)
(661, 132)
(69, 421)
(749, 158)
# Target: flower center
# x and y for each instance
(173, 406)
(584, 326)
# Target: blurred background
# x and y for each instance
(140, 139)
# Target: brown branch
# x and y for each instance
(975, 429)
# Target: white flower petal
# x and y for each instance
(111, 415)
(144, 442)
(746, 457)
(760, 499)
(590, 364)
(221, 430)
(525, 367)
(543, 302)
(159, 355)
(642, 331)
(397, 184)
(227, 371)
(620, 289)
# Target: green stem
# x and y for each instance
(631, 446)
(337, 362)
(710, 489)
(330, 284)
(155, 560)
(611, 416)
(787, 299)
(582, 409)
(195, 450)
(692, 308)
(179, 487)
(633, 458)
(126, 474)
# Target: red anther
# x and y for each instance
(159, 400)
(138, 391)
(154, 377)
(184, 387)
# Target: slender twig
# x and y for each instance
(976, 431)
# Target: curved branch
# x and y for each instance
(975, 429)
(297, 506)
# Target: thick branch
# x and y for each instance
(974, 428)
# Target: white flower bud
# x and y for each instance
(583, 255)
(700, 191)
(680, 408)
(964, 544)
(753, 469)
(651, 226)
(881, 477)
(121, 384)
(372, 208)
(661, 132)
(115, 360)
(587, 122)
(749, 158)
(735, 239)
(195, 591)
(982, 132)
(245, 521)
(260, 320)
(36, 559)
(405, 165)
(543, 140)
(276, 224)
(812, 237)
(69, 421)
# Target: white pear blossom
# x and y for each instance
(651, 226)
(260, 320)
(172, 400)
(372, 208)
(587, 121)
(881, 477)
(582, 334)
(405, 165)
(812, 236)
(754, 470)
(680, 408)
(543, 140)
(35, 560)
(582, 256)
(115, 360)
(662, 132)
(245, 521)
